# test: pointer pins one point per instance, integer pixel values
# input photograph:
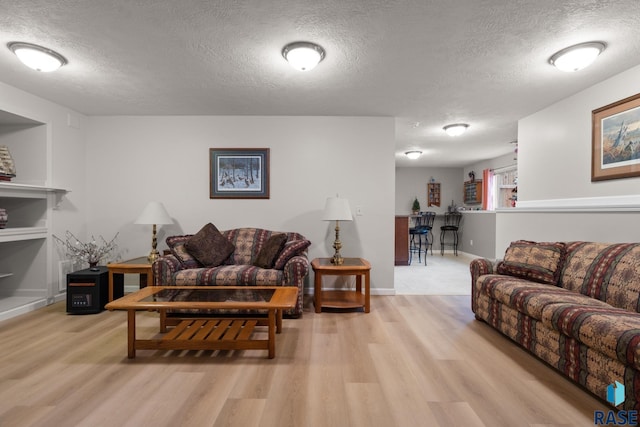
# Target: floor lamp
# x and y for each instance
(154, 213)
(337, 209)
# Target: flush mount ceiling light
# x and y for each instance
(576, 57)
(303, 56)
(456, 129)
(37, 57)
(413, 154)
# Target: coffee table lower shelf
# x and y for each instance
(210, 334)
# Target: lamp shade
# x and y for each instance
(337, 209)
(154, 213)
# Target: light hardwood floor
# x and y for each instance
(413, 361)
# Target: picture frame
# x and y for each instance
(616, 140)
(238, 173)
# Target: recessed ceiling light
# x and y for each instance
(456, 129)
(577, 57)
(303, 56)
(37, 57)
(414, 154)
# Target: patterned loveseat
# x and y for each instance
(290, 264)
(574, 305)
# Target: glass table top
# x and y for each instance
(211, 295)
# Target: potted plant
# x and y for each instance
(415, 208)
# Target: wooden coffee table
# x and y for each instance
(208, 333)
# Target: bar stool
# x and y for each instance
(452, 224)
(415, 242)
(428, 224)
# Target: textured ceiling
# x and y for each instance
(426, 63)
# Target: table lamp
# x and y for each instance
(154, 213)
(337, 209)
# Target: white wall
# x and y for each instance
(133, 160)
(554, 145)
(412, 182)
(556, 198)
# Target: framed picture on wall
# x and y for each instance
(616, 140)
(238, 173)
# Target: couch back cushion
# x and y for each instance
(609, 272)
(537, 261)
(249, 242)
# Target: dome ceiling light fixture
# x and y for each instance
(577, 57)
(456, 129)
(414, 154)
(37, 57)
(303, 56)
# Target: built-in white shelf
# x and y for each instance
(10, 189)
(22, 233)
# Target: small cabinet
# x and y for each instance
(473, 192)
(433, 194)
(402, 240)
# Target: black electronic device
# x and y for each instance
(87, 290)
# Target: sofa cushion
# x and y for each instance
(176, 246)
(209, 246)
(606, 271)
(610, 331)
(228, 275)
(529, 297)
(291, 249)
(540, 262)
(248, 242)
(273, 246)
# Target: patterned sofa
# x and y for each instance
(574, 305)
(290, 264)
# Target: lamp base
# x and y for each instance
(337, 259)
(153, 256)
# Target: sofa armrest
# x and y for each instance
(479, 267)
(295, 271)
(164, 268)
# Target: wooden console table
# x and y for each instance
(358, 267)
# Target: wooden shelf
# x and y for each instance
(433, 194)
(473, 192)
(342, 299)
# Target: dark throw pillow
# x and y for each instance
(272, 247)
(209, 246)
(291, 249)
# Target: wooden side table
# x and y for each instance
(117, 270)
(358, 267)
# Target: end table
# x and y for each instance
(358, 267)
(117, 270)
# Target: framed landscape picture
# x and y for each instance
(238, 173)
(616, 140)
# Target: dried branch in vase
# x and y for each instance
(91, 252)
